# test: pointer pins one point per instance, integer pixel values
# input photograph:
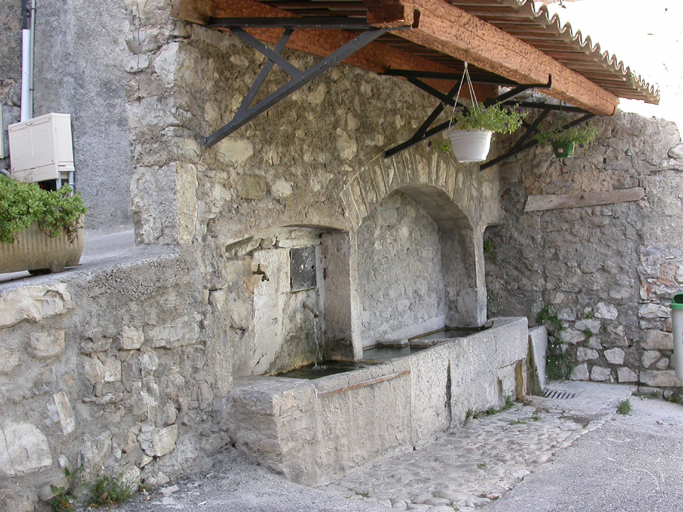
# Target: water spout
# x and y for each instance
(313, 311)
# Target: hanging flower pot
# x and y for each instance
(470, 146)
(563, 149)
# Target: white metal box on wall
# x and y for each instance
(41, 148)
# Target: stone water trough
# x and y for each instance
(311, 431)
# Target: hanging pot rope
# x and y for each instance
(470, 87)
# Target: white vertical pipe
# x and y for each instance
(32, 58)
(25, 74)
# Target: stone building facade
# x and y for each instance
(128, 369)
(607, 273)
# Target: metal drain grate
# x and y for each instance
(558, 395)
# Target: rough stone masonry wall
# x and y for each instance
(607, 272)
(400, 276)
(10, 70)
(117, 371)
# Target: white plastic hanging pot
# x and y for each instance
(470, 146)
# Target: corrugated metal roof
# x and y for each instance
(519, 18)
(537, 28)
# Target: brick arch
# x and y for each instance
(455, 195)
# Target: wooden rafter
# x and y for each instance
(376, 57)
(450, 30)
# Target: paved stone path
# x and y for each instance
(469, 467)
(464, 469)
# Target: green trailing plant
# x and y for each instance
(581, 135)
(496, 118)
(22, 204)
(488, 246)
(676, 397)
(558, 366)
(108, 491)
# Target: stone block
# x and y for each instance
(580, 372)
(131, 338)
(591, 324)
(8, 360)
(234, 151)
(184, 331)
(166, 63)
(600, 374)
(33, 303)
(157, 442)
(586, 354)
(46, 345)
(538, 342)
(658, 340)
(626, 375)
(23, 449)
(93, 369)
(649, 357)
(653, 311)
(615, 356)
(660, 379)
(95, 451)
(662, 364)
(64, 412)
(251, 187)
(606, 311)
(572, 336)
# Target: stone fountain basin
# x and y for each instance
(312, 431)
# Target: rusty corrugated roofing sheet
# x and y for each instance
(519, 18)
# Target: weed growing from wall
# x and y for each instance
(558, 366)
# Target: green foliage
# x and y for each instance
(22, 204)
(624, 407)
(509, 403)
(588, 333)
(558, 366)
(517, 422)
(481, 466)
(581, 135)
(110, 491)
(676, 397)
(63, 500)
(488, 246)
(496, 118)
(589, 315)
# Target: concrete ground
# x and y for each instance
(605, 462)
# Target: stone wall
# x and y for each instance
(10, 70)
(401, 284)
(117, 371)
(81, 59)
(607, 273)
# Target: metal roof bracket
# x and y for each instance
(520, 145)
(246, 112)
(424, 131)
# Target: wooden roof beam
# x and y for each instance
(441, 26)
(376, 57)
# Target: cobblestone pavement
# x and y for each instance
(464, 469)
(470, 466)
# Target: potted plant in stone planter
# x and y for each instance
(471, 129)
(40, 231)
(565, 142)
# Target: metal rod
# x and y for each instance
(531, 144)
(246, 103)
(296, 83)
(434, 75)
(271, 55)
(308, 22)
(531, 128)
(550, 106)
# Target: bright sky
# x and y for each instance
(646, 35)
